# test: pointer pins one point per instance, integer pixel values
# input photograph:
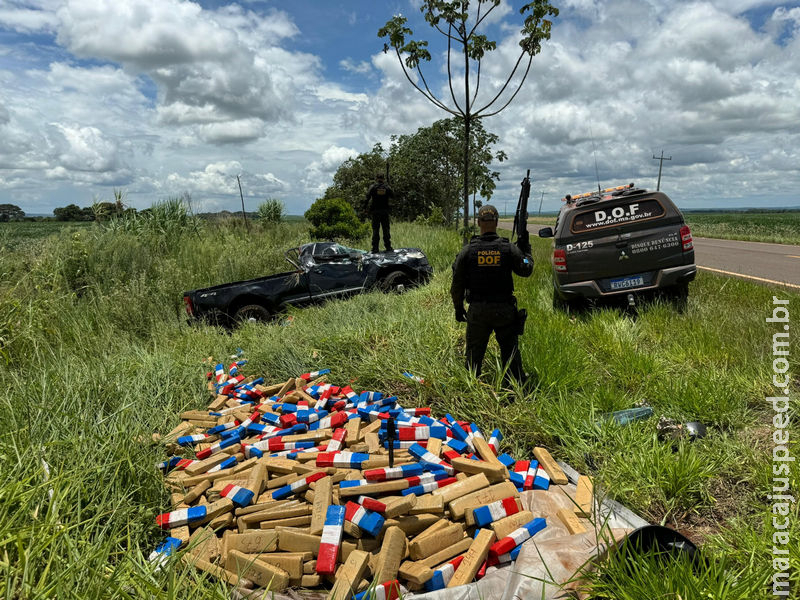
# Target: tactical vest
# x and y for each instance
(380, 197)
(489, 268)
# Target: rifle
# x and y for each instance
(521, 216)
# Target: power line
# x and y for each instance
(660, 160)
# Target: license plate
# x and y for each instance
(625, 283)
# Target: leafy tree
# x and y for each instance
(70, 212)
(11, 212)
(353, 178)
(426, 171)
(334, 218)
(271, 211)
(459, 25)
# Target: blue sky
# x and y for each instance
(161, 98)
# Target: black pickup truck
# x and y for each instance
(322, 270)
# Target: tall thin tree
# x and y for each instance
(459, 25)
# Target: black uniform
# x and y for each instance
(378, 197)
(482, 275)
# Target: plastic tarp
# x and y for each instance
(548, 564)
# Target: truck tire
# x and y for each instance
(395, 282)
(574, 306)
(252, 313)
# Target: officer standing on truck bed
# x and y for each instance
(378, 197)
(482, 274)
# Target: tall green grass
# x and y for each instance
(95, 355)
(775, 227)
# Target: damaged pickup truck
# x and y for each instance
(322, 271)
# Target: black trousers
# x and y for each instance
(380, 219)
(483, 318)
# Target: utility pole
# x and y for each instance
(540, 204)
(660, 160)
(242, 197)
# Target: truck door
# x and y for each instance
(333, 279)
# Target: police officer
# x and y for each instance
(378, 197)
(482, 274)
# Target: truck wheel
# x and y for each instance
(679, 294)
(574, 306)
(395, 282)
(252, 313)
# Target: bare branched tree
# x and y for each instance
(459, 25)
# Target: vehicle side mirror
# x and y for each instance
(546, 232)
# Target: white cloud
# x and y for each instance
(361, 67)
(218, 180)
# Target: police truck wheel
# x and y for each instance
(395, 282)
(252, 313)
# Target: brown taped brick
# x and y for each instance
(437, 526)
(352, 427)
(202, 466)
(502, 527)
(486, 453)
(462, 488)
(458, 548)
(222, 521)
(197, 491)
(204, 544)
(217, 571)
(303, 521)
(391, 554)
(428, 545)
(428, 503)
(309, 567)
(291, 562)
(260, 572)
(412, 524)
(548, 463)
(257, 478)
(495, 473)
(349, 575)
(415, 572)
(476, 555)
(493, 493)
(584, 496)
(323, 489)
(217, 509)
(180, 533)
(294, 541)
(400, 506)
(570, 521)
(253, 542)
(310, 581)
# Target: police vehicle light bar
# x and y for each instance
(618, 188)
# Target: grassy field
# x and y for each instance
(775, 227)
(95, 355)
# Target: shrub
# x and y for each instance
(334, 218)
(271, 211)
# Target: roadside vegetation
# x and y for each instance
(95, 355)
(773, 226)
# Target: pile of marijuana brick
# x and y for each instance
(307, 484)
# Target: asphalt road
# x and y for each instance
(757, 261)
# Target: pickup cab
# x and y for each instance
(321, 271)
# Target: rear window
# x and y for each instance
(600, 217)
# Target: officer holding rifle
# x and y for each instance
(482, 276)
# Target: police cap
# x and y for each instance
(487, 212)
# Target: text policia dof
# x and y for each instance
(782, 459)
